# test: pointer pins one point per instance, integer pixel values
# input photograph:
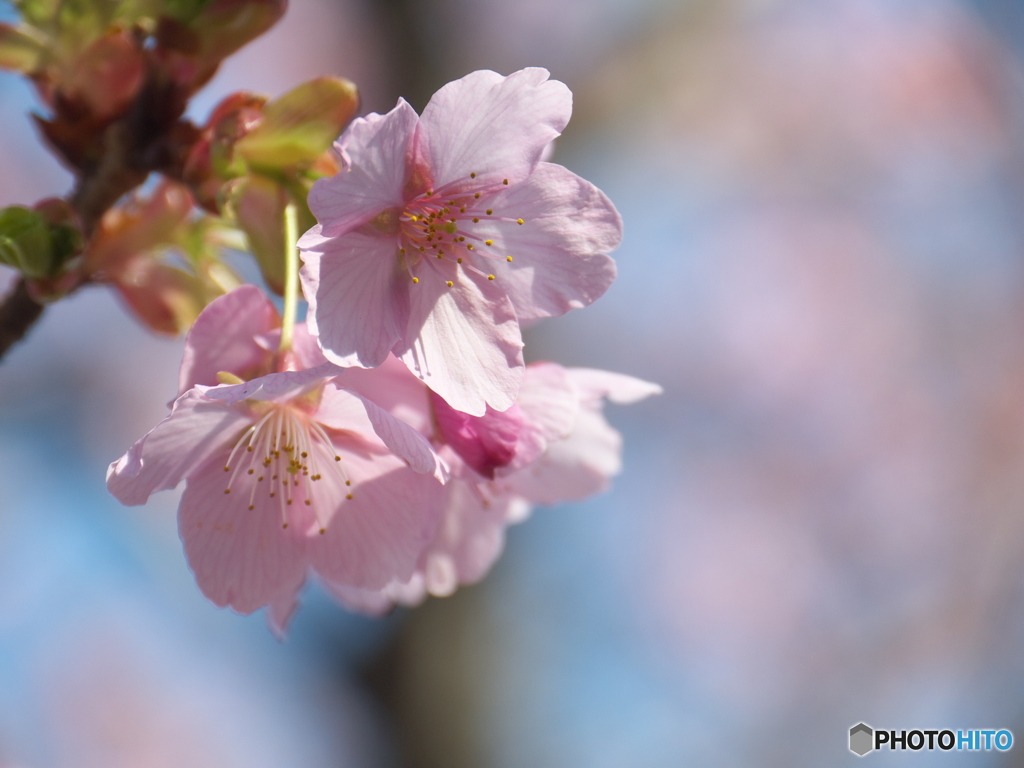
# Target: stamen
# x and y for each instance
(296, 446)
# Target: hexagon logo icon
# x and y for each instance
(861, 739)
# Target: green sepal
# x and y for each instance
(20, 50)
(257, 205)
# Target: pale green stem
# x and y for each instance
(291, 277)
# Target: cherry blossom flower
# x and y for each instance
(444, 231)
(556, 446)
(283, 473)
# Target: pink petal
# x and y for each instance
(619, 388)
(240, 557)
(464, 342)
(485, 442)
(496, 127)
(559, 252)
(379, 602)
(393, 387)
(372, 602)
(306, 348)
(469, 540)
(582, 463)
(349, 411)
(281, 609)
(549, 399)
(277, 387)
(574, 468)
(377, 535)
(374, 150)
(223, 338)
(358, 298)
(196, 429)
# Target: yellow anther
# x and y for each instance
(348, 482)
(490, 277)
(309, 503)
(472, 175)
(488, 242)
(252, 507)
(349, 496)
(430, 193)
(284, 525)
(449, 283)
(508, 258)
(470, 246)
(227, 469)
(440, 254)
(476, 219)
(490, 211)
(415, 279)
(460, 260)
(413, 217)
(462, 209)
(337, 458)
(227, 490)
(251, 471)
(519, 221)
(323, 531)
(477, 196)
(505, 182)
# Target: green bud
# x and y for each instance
(25, 242)
(300, 125)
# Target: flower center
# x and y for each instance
(280, 457)
(438, 227)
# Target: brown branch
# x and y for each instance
(18, 313)
(149, 136)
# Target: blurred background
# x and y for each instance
(820, 522)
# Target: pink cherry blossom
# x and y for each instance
(558, 447)
(444, 231)
(285, 473)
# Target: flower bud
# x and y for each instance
(300, 126)
(105, 77)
